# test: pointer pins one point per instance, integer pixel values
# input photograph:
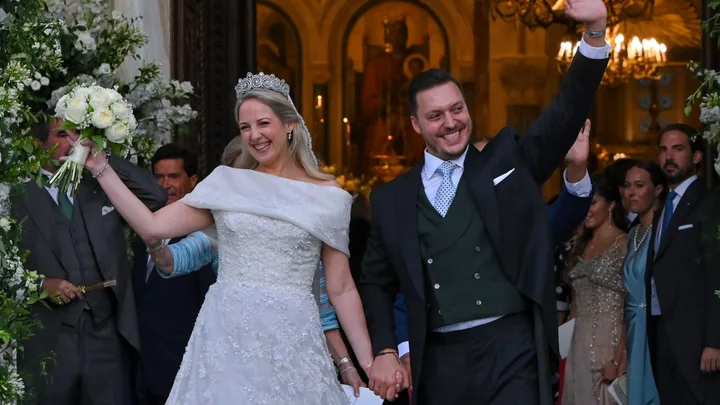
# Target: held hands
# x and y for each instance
(710, 360)
(592, 13)
(388, 376)
(350, 376)
(405, 360)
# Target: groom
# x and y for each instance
(465, 237)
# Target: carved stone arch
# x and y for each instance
(281, 16)
(302, 15)
(343, 14)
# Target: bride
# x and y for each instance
(258, 336)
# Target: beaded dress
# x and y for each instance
(599, 301)
(258, 339)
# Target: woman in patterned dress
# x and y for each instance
(597, 348)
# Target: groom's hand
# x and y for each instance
(577, 156)
(592, 13)
(387, 375)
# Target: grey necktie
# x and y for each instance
(446, 192)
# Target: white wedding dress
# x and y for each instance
(258, 338)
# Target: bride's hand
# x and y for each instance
(95, 159)
(351, 377)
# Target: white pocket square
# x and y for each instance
(502, 177)
(686, 226)
(107, 210)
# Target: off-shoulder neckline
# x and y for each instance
(302, 182)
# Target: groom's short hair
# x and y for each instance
(41, 129)
(427, 80)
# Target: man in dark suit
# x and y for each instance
(164, 331)
(683, 274)
(465, 236)
(565, 214)
(73, 242)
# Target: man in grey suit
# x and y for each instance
(87, 339)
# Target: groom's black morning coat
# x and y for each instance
(513, 211)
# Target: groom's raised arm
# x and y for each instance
(550, 136)
(378, 284)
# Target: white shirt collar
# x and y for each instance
(433, 162)
(682, 187)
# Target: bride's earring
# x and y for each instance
(290, 136)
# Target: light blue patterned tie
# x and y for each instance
(446, 192)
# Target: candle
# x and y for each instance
(347, 131)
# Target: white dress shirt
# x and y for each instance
(432, 179)
(53, 191)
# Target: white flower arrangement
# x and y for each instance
(95, 113)
(29, 58)
(96, 41)
(708, 95)
(45, 54)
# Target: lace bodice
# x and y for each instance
(271, 229)
(258, 337)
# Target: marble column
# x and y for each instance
(214, 45)
(481, 32)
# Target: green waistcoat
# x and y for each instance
(463, 276)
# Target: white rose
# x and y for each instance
(44, 81)
(61, 105)
(99, 99)
(5, 224)
(132, 122)
(102, 119)
(120, 110)
(35, 85)
(82, 92)
(117, 133)
(76, 110)
(113, 95)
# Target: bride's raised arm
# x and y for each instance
(176, 219)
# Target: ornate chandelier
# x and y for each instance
(543, 13)
(633, 60)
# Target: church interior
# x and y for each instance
(349, 62)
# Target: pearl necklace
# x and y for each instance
(635, 239)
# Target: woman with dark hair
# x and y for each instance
(645, 188)
(597, 349)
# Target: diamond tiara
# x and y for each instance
(261, 81)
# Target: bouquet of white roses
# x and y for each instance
(96, 113)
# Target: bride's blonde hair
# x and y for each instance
(300, 149)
